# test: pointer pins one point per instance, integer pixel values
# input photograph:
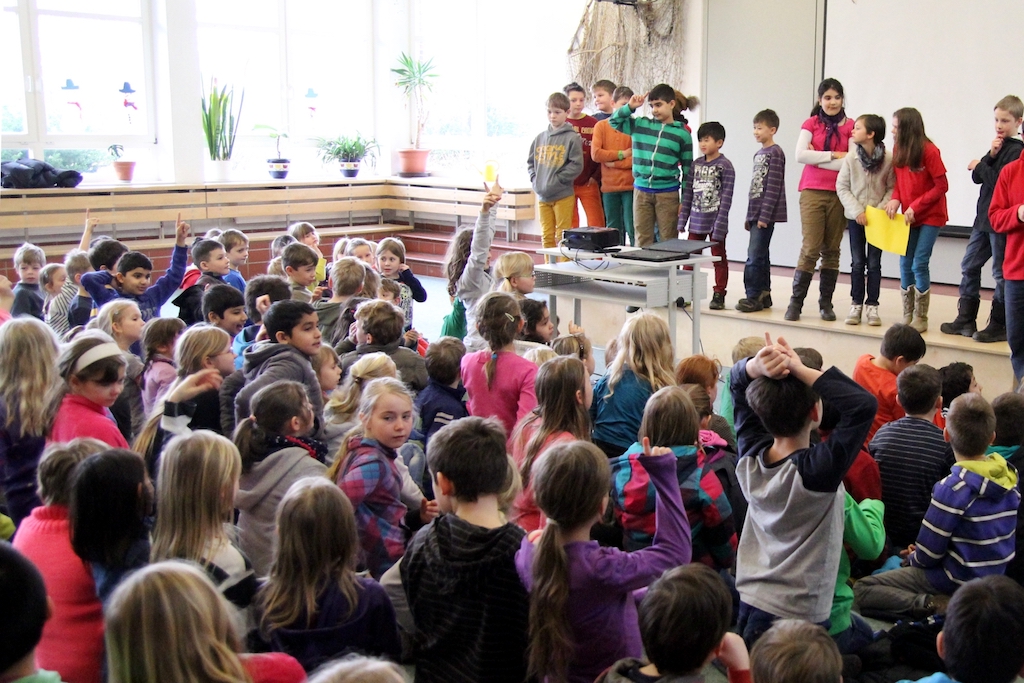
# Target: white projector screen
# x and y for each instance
(952, 60)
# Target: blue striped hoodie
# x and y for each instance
(969, 529)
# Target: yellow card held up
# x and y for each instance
(888, 234)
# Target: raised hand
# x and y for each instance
(195, 384)
(493, 195)
(637, 101)
(657, 450)
(182, 230)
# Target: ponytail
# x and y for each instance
(273, 407)
(551, 644)
(498, 319)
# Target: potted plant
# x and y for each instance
(220, 126)
(124, 169)
(415, 80)
(278, 167)
(347, 151)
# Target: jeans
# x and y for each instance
(753, 622)
(757, 273)
(1014, 300)
(914, 266)
(864, 256)
(618, 213)
(854, 638)
(648, 206)
(980, 248)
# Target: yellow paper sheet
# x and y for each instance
(888, 234)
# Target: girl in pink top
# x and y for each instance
(93, 366)
(499, 382)
(72, 643)
(562, 414)
(823, 142)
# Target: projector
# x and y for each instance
(591, 239)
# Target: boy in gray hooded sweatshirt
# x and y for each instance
(556, 158)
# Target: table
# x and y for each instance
(603, 277)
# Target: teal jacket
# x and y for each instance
(661, 151)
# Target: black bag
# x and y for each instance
(26, 174)
(913, 643)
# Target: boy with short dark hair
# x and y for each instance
(236, 244)
(985, 243)
(968, 531)
(982, 639)
(470, 609)
(912, 453)
(28, 294)
(134, 273)
(224, 307)
(766, 206)
(299, 262)
(793, 650)
(443, 400)
(957, 378)
(293, 338)
(614, 151)
(26, 610)
(1009, 412)
(902, 347)
(260, 293)
(390, 291)
(338, 313)
(706, 202)
(211, 261)
(379, 329)
(587, 186)
(684, 624)
(656, 184)
(788, 555)
(603, 92)
(555, 159)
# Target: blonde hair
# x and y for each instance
(358, 669)
(195, 496)
(372, 392)
(510, 265)
(321, 357)
(576, 345)
(30, 386)
(794, 650)
(746, 347)
(317, 546)
(167, 622)
(670, 419)
(57, 468)
(344, 400)
(357, 242)
(538, 355)
(111, 314)
(301, 230)
(339, 248)
(645, 348)
(275, 267)
(392, 245)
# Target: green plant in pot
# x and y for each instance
(220, 124)
(278, 166)
(348, 151)
(415, 80)
(125, 170)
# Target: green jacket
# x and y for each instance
(660, 150)
(864, 533)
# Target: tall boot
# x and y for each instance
(801, 282)
(908, 304)
(920, 319)
(826, 287)
(996, 329)
(966, 322)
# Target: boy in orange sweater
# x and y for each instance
(614, 151)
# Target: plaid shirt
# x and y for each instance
(373, 484)
(707, 506)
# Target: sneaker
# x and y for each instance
(853, 317)
(872, 314)
(717, 302)
(749, 305)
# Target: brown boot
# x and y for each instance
(908, 304)
(920, 319)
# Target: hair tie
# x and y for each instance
(494, 355)
(96, 353)
(510, 317)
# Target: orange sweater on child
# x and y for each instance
(605, 148)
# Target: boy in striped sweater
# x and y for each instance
(662, 149)
(968, 531)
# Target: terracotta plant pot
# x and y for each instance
(412, 161)
(278, 168)
(124, 170)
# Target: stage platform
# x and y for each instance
(839, 344)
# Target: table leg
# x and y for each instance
(577, 311)
(695, 299)
(672, 296)
(553, 306)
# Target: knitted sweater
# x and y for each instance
(72, 641)
(858, 189)
(661, 151)
(969, 529)
(616, 174)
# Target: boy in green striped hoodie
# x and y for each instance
(662, 150)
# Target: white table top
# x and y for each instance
(609, 257)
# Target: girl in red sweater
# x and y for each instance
(920, 189)
(93, 367)
(72, 643)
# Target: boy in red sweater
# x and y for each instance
(902, 346)
(587, 186)
(1006, 214)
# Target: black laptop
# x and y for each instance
(667, 250)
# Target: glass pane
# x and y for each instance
(13, 154)
(321, 94)
(12, 79)
(251, 13)
(99, 90)
(249, 60)
(117, 8)
(81, 160)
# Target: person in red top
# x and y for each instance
(921, 187)
(588, 183)
(93, 367)
(1006, 213)
(902, 346)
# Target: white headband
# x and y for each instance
(105, 350)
